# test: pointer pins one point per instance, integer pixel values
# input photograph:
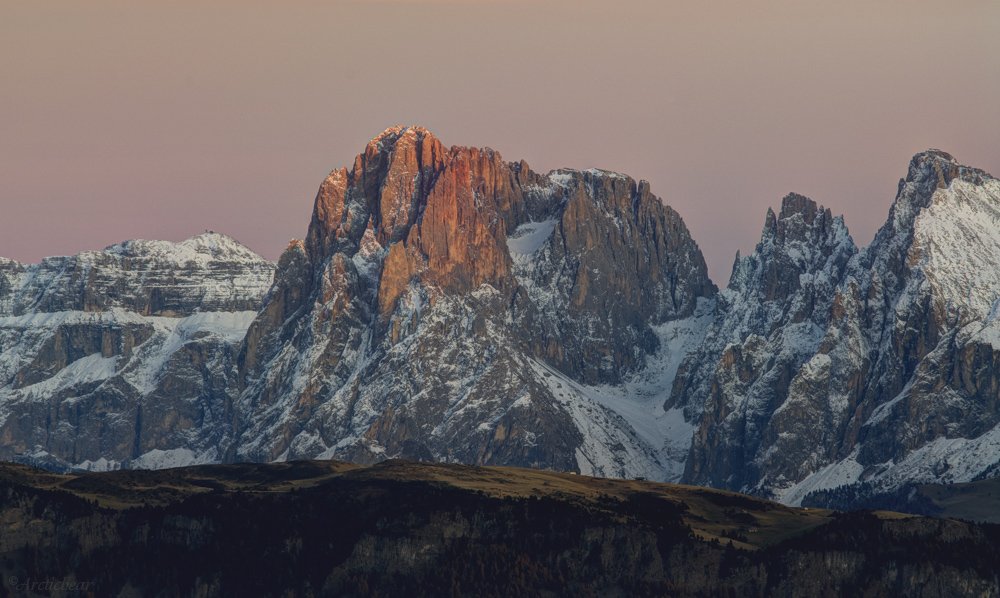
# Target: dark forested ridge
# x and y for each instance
(974, 501)
(403, 528)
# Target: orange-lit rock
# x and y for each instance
(438, 276)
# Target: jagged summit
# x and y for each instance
(827, 365)
(447, 305)
(928, 172)
(208, 272)
(793, 203)
(415, 208)
(794, 242)
(392, 134)
(444, 289)
(942, 168)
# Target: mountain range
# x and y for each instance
(447, 305)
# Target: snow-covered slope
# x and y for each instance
(826, 368)
(125, 356)
(451, 306)
(654, 441)
(447, 305)
(770, 321)
(209, 272)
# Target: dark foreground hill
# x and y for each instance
(405, 528)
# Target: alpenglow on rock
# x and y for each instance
(447, 305)
(827, 366)
(125, 357)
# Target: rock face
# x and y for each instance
(206, 273)
(447, 305)
(769, 322)
(125, 357)
(828, 366)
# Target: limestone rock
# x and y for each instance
(125, 357)
(828, 366)
(456, 304)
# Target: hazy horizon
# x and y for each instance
(161, 120)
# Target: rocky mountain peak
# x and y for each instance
(384, 191)
(940, 169)
(801, 220)
(414, 208)
(795, 204)
(928, 172)
(769, 322)
(875, 386)
(445, 296)
(938, 199)
(208, 272)
(800, 239)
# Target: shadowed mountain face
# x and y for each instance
(445, 305)
(439, 294)
(829, 366)
(449, 306)
(311, 528)
(124, 357)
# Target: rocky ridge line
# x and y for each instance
(124, 357)
(887, 376)
(440, 298)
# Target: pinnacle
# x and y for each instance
(793, 203)
(932, 155)
(392, 134)
(941, 168)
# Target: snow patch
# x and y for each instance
(561, 178)
(172, 333)
(832, 476)
(529, 237)
(945, 461)
(101, 464)
(654, 442)
(159, 459)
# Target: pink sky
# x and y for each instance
(161, 119)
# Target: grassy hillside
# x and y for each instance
(973, 501)
(711, 514)
(326, 528)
